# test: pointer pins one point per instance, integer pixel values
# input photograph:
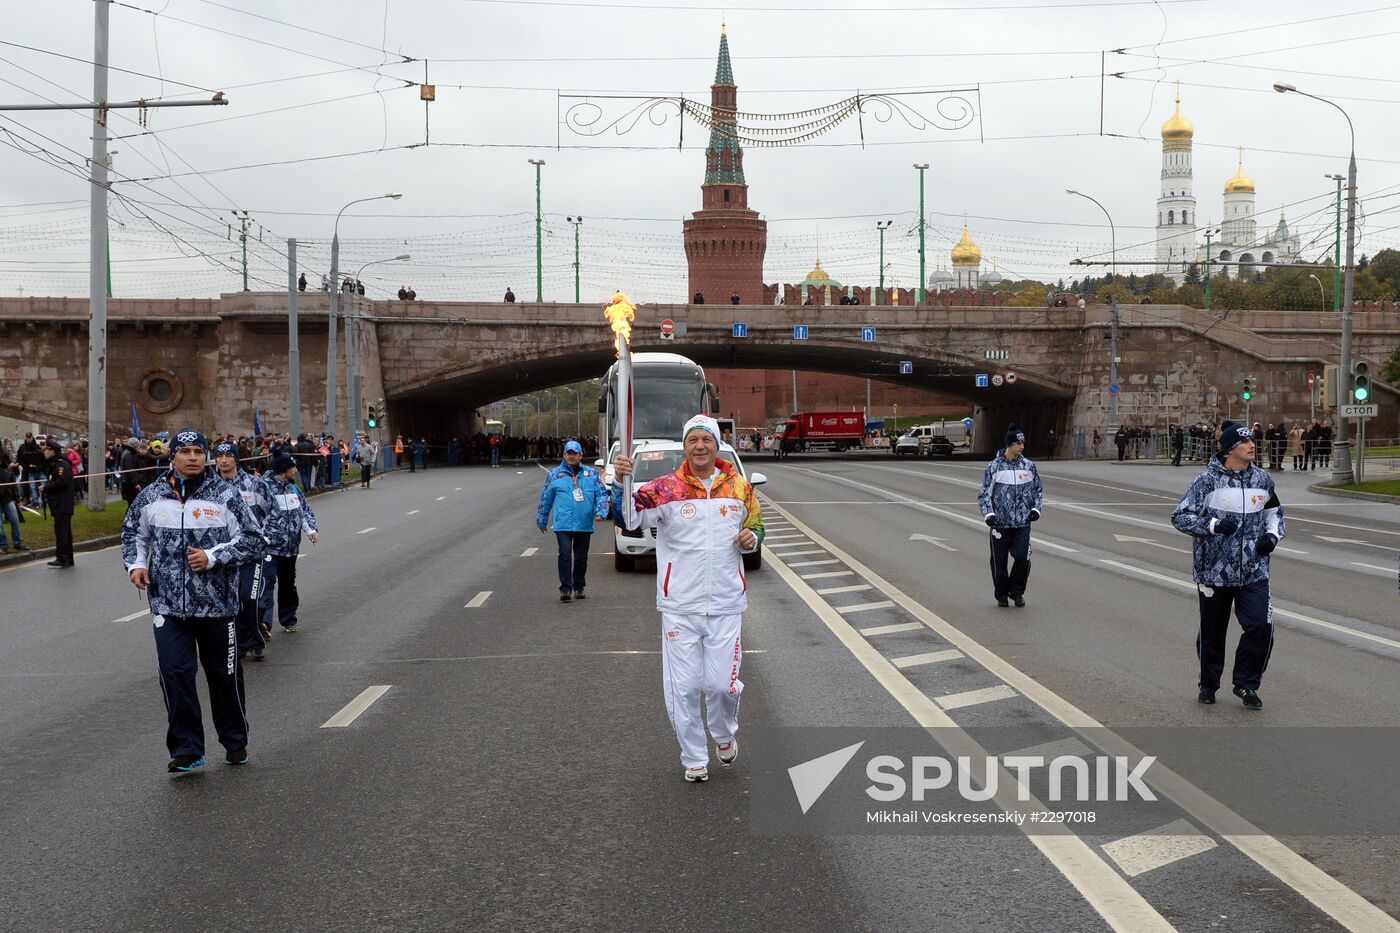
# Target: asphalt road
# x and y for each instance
(518, 772)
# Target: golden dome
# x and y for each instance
(1239, 184)
(966, 252)
(818, 274)
(1178, 127)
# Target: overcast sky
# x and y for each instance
(500, 66)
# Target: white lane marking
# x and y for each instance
(936, 542)
(1385, 570)
(1059, 748)
(457, 489)
(478, 600)
(355, 707)
(891, 629)
(853, 588)
(134, 615)
(413, 512)
(1383, 547)
(915, 660)
(1317, 521)
(1324, 892)
(439, 498)
(1142, 852)
(1290, 550)
(1104, 889)
(1320, 623)
(365, 531)
(905, 500)
(1070, 479)
(803, 543)
(529, 552)
(781, 537)
(975, 697)
(807, 554)
(1150, 542)
(863, 607)
(811, 563)
(828, 574)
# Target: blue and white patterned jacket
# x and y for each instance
(1249, 496)
(159, 528)
(285, 514)
(1010, 490)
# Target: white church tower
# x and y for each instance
(1176, 207)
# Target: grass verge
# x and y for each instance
(1386, 487)
(37, 531)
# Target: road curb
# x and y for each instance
(1352, 494)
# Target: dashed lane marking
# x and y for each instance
(810, 563)
(975, 697)
(134, 615)
(1385, 570)
(529, 552)
(413, 512)
(891, 629)
(803, 543)
(853, 588)
(863, 607)
(355, 707)
(439, 498)
(457, 489)
(829, 573)
(782, 537)
(1142, 852)
(1320, 623)
(365, 531)
(478, 600)
(930, 657)
(1121, 907)
(804, 554)
(1059, 748)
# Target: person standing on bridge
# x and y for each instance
(183, 540)
(1233, 512)
(1010, 500)
(577, 497)
(706, 517)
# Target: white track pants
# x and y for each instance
(700, 654)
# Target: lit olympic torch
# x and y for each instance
(620, 314)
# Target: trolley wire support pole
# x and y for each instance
(293, 351)
(1337, 250)
(576, 221)
(539, 235)
(97, 263)
(922, 167)
(882, 226)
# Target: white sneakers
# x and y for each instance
(728, 752)
(697, 775)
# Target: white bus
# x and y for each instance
(667, 391)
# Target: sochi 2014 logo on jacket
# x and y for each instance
(689, 510)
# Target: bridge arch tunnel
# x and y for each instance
(451, 400)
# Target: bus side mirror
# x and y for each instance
(713, 393)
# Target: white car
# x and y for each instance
(654, 459)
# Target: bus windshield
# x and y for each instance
(667, 391)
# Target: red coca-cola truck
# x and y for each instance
(821, 430)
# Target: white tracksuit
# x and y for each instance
(700, 592)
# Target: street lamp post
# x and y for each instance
(355, 377)
(1337, 249)
(576, 221)
(539, 235)
(1112, 317)
(1209, 233)
(335, 308)
(922, 167)
(882, 226)
(1341, 450)
(1321, 292)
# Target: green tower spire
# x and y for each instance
(724, 73)
(724, 159)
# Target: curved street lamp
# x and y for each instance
(1112, 316)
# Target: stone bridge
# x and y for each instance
(210, 362)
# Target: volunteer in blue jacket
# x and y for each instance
(1011, 498)
(183, 540)
(578, 498)
(1234, 514)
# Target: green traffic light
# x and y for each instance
(1362, 393)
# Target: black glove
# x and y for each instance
(1227, 526)
(990, 520)
(1265, 545)
(1035, 515)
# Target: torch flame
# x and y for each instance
(620, 314)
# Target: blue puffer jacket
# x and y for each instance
(570, 514)
(285, 514)
(1249, 496)
(1010, 491)
(160, 527)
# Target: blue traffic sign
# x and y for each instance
(1113, 389)
(983, 380)
(799, 332)
(906, 367)
(740, 330)
(867, 334)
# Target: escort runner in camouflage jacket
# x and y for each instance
(1249, 498)
(285, 514)
(1011, 490)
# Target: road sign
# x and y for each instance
(1010, 378)
(996, 379)
(740, 330)
(867, 335)
(799, 332)
(1359, 411)
(1312, 378)
(1113, 389)
(668, 326)
(906, 367)
(982, 380)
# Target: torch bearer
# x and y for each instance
(620, 314)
